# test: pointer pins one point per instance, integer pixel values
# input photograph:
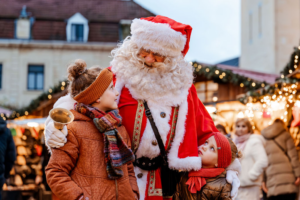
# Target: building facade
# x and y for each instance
(269, 31)
(38, 39)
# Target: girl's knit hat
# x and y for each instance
(96, 89)
(223, 148)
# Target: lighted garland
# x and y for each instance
(254, 96)
(226, 76)
(283, 80)
(293, 64)
(35, 103)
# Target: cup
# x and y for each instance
(61, 117)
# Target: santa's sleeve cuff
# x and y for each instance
(235, 166)
(185, 164)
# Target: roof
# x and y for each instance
(231, 62)
(50, 17)
(38, 121)
(258, 76)
(93, 10)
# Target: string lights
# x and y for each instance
(35, 103)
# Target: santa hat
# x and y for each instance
(223, 145)
(161, 35)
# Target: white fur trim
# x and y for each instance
(235, 166)
(158, 37)
(142, 182)
(66, 102)
(119, 86)
(146, 148)
(188, 163)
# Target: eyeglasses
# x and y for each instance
(158, 57)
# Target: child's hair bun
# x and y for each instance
(76, 68)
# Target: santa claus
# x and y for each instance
(149, 66)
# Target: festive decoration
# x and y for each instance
(35, 103)
(225, 76)
(285, 85)
(293, 64)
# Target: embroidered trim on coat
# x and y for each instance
(137, 126)
(173, 128)
(152, 191)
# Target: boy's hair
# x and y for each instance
(247, 122)
(80, 77)
(235, 153)
(220, 126)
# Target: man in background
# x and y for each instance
(7, 153)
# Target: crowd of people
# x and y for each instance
(270, 163)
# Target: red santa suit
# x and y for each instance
(180, 118)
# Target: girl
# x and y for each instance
(216, 152)
(254, 159)
(96, 163)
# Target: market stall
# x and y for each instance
(279, 100)
(27, 178)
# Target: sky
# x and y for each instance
(216, 26)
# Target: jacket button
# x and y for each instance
(140, 175)
(163, 115)
(154, 143)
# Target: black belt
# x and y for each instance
(149, 164)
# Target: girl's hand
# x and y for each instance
(297, 181)
(264, 187)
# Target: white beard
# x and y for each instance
(164, 84)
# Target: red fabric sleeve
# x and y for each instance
(197, 125)
(205, 124)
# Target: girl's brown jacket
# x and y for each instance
(78, 168)
(215, 189)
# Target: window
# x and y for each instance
(207, 91)
(124, 29)
(35, 80)
(0, 76)
(77, 32)
(250, 28)
(77, 28)
(259, 20)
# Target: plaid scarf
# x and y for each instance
(115, 150)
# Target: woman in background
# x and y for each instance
(282, 174)
(253, 162)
